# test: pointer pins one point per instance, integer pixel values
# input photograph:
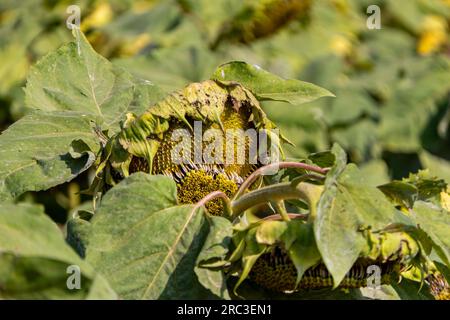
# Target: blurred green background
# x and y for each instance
(391, 112)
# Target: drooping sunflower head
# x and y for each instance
(275, 271)
(204, 136)
(282, 256)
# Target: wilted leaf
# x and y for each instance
(428, 186)
(38, 151)
(267, 86)
(400, 193)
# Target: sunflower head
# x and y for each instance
(201, 136)
(196, 184)
(282, 256)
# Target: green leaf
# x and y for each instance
(400, 193)
(34, 259)
(411, 290)
(346, 205)
(252, 251)
(213, 254)
(77, 235)
(428, 186)
(72, 85)
(376, 172)
(270, 232)
(436, 223)
(144, 243)
(303, 252)
(76, 78)
(42, 150)
(323, 159)
(294, 227)
(267, 86)
(218, 240)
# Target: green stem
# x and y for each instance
(275, 166)
(281, 210)
(278, 192)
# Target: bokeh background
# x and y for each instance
(391, 112)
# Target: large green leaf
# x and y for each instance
(267, 86)
(34, 259)
(144, 243)
(76, 78)
(43, 149)
(75, 89)
(346, 205)
(436, 223)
